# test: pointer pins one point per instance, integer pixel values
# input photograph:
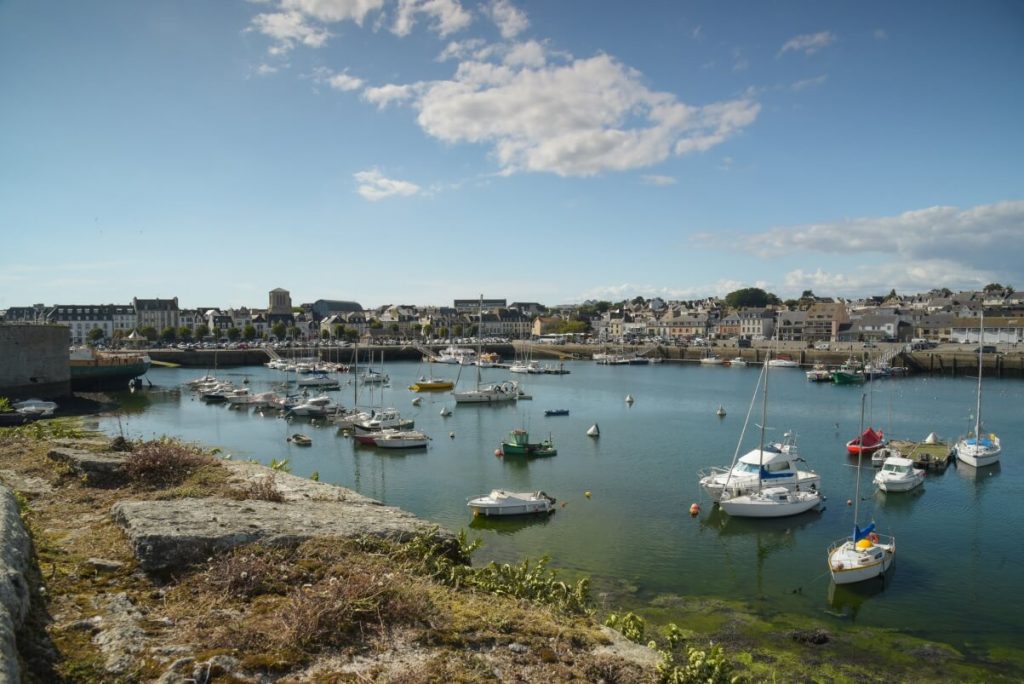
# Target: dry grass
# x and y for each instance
(164, 463)
(259, 489)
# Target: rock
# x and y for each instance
(121, 639)
(26, 484)
(87, 625)
(291, 487)
(811, 636)
(516, 647)
(104, 565)
(166, 535)
(15, 548)
(97, 468)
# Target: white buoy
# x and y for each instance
(416, 401)
(629, 399)
(445, 412)
(932, 438)
(594, 431)
(720, 412)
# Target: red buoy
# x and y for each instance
(694, 510)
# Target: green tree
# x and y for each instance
(216, 333)
(427, 330)
(394, 327)
(325, 334)
(892, 296)
(375, 324)
(202, 331)
(351, 334)
(279, 330)
(168, 334)
(295, 332)
(249, 332)
(748, 297)
(96, 334)
(339, 331)
(234, 333)
(570, 327)
(457, 331)
(442, 331)
(149, 332)
(992, 287)
(184, 333)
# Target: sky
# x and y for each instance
(556, 151)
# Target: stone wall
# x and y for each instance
(34, 361)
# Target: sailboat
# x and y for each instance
(491, 393)
(977, 449)
(766, 502)
(431, 384)
(865, 553)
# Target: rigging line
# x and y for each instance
(746, 421)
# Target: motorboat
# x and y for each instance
(869, 442)
(711, 360)
(783, 362)
(384, 419)
(489, 393)
(316, 407)
(461, 356)
(299, 439)
(778, 463)
(501, 502)
(38, 408)
(737, 362)
(819, 373)
(770, 502)
(556, 412)
(401, 439)
(898, 474)
(319, 380)
(518, 444)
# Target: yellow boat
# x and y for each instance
(431, 385)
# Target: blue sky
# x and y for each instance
(423, 150)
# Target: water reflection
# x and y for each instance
(509, 524)
(846, 600)
(979, 475)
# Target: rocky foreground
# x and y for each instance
(211, 570)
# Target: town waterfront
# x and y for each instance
(955, 578)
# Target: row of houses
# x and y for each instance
(940, 317)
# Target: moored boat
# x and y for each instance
(91, 369)
(898, 474)
(501, 502)
(518, 444)
(869, 442)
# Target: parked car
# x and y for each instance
(986, 349)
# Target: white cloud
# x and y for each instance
(333, 11)
(806, 83)
(622, 291)
(578, 119)
(265, 70)
(288, 28)
(385, 95)
(344, 82)
(658, 180)
(739, 61)
(808, 43)
(448, 16)
(373, 186)
(510, 20)
(528, 54)
(932, 247)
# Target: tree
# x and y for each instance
(394, 328)
(202, 331)
(295, 332)
(570, 327)
(375, 324)
(149, 332)
(808, 294)
(442, 331)
(95, 335)
(234, 333)
(338, 331)
(457, 331)
(249, 332)
(279, 330)
(427, 330)
(749, 297)
(216, 333)
(351, 334)
(184, 333)
(325, 334)
(992, 287)
(168, 334)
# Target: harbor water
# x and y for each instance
(623, 515)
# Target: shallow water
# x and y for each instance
(956, 576)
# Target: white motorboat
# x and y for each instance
(770, 502)
(384, 419)
(316, 407)
(401, 439)
(711, 360)
(738, 362)
(783, 363)
(320, 380)
(978, 449)
(898, 475)
(35, 407)
(865, 553)
(777, 460)
(500, 502)
(461, 356)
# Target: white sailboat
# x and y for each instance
(490, 393)
(976, 449)
(766, 502)
(865, 553)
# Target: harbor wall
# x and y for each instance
(34, 361)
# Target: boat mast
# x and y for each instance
(764, 420)
(981, 348)
(860, 455)
(479, 327)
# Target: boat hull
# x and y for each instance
(101, 373)
(849, 565)
(777, 502)
(971, 453)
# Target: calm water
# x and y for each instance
(957, 575)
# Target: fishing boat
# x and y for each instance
(761, 501)
(865, 553)
(500, 502)
(977, 449)
(898, 474)
(868, 442)
(518, 444)
(850, 373)
(92, 369)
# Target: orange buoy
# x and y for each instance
(694, 510)
(497, 452)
